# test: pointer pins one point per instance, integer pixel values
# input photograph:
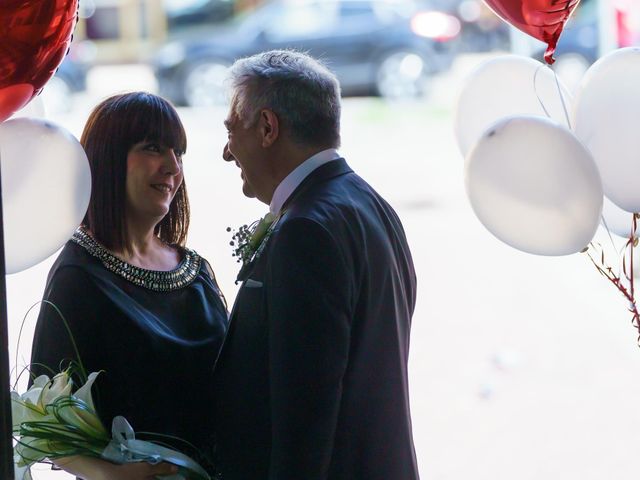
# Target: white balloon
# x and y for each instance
(34, 109)
(46, 185)
(606, 119)
(507, 86)
(534, 186)
(616, 220)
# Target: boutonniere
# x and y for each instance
(249, 240)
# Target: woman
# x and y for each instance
(142, 308)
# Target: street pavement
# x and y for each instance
(521, 367)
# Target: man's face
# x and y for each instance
(243, 148)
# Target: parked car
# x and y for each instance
(579, 43)
(184, 13)
(385, 47)
(69, 79)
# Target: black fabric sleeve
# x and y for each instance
(73, 292)
(309, 311)
(212, 276)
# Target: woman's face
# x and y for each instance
(154, 174)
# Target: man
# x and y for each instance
(312, 378)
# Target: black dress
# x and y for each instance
(154, 335)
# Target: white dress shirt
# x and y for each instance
(295, 178)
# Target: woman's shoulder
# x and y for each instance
(206, 270)
(71, 267)
(204, 267)
(72, 257)
(203, 263)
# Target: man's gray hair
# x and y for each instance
(299, 89)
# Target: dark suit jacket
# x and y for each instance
(312, 377)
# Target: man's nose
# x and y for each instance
(227, 156)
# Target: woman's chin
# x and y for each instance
(153, 215)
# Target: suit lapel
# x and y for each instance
(325, 172)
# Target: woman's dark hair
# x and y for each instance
(114, 126)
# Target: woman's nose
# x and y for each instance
(173, 163)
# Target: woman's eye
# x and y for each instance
(152, 147)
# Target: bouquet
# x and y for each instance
(50, 421)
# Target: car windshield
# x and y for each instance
(174, 7)
(250, 22)
(586, 10)
(297, 12)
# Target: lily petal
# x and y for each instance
(84, 392)
(60, 386)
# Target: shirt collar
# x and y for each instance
(295, 178)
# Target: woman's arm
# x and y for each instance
(67, 321)
(89, 468)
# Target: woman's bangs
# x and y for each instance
(158, 122)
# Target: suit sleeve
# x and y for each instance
(309, 309)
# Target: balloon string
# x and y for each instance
(564, 104)
(535, 89)
(604, 222)
(562, 100)
(607, 272)
(632, 243)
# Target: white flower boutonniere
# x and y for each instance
(249, 240)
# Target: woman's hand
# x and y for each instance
(89, 468)
(139, 471)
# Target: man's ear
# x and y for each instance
(269, 127)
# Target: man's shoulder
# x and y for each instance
(334, 198)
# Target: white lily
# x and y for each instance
(25, 407)
(85, 419)
(84, 392)
(33, 394)
(89, 417)
(60, 386)
(23, 411)
(23, 472)
(30, 450)
(51, 422)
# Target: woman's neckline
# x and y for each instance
(158, 280)
(177, 248)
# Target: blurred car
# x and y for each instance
(69, 79)
(482, 29)
(579, 43)
(385, 47)
(183, 13)
(628, 22)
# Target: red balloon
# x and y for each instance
(542, 19)
(34, 39)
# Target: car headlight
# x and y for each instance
(435, 25)
(170, 55)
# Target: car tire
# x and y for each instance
(203, 84)
(402, 74)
